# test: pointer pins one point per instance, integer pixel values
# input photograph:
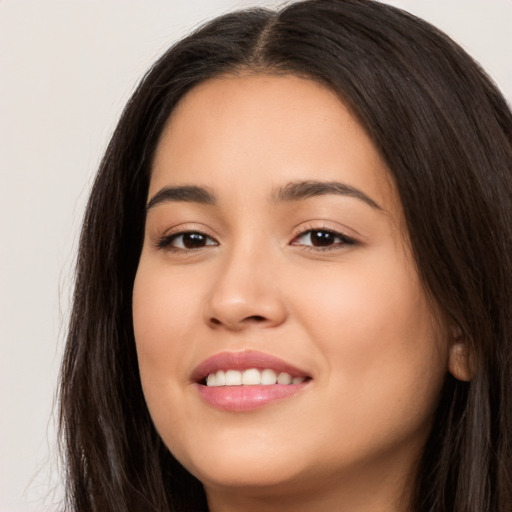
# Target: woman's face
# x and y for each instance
(275, 241)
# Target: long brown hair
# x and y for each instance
(445, 133)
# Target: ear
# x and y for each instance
(459, 361)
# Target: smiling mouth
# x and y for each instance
(247, 380)
(251, 377)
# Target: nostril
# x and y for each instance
(255, 318)
(249, 319)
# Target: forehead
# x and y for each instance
(260, 131)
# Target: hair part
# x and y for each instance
(445, 133)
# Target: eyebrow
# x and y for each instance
(295, 191)
(300, 190)
(183, 193)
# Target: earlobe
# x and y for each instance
(459, 362)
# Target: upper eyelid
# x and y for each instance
(165, 240)
(187, 227)
(325, 230)
(183, 233)
(295, 234)
(349, 240)
(177, 234)
(322, 225)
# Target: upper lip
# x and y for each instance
(244, 361)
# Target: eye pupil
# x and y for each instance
(194, 240)
(322, 238)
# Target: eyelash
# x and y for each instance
(166, 241)
(345, 240)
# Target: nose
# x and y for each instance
(245, 294)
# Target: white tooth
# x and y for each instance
(211, 380)
(233, 378)
(268, 377)
(251, 377)
(220, 378)
(284, 378)
(297, 380)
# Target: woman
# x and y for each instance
(294, 274)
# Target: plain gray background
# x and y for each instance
(66, 70)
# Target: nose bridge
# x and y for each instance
(246, 291)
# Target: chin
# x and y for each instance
(268, 477)
(244, 466)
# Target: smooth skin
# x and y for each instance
(325, 282)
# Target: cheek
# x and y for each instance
(161, 304)
(164, 311)
(383, 362)
(346, 301)
(163, 318)
(376, 331)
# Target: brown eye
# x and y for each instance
(189, 240)
(322, 238)
(194, 240)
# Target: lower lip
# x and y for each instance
(246, 398)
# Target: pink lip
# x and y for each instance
(245, 398)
